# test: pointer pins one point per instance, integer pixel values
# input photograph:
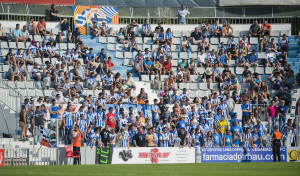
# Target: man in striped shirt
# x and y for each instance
(247, 139)
(68, 119)
(284, 130)
(146, 29)
(105, 30)
(164, 138)
(123, 138)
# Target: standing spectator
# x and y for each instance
(264, 44)
(22, 122)
(282, 112)
(138, 67)
(246, 109)
(195, 37)
(160, 37)
(266, 28)
(146, 30)
(254, 30)
(133, 44)
(2, 35)
(156, 83)
(76, 36)
(283, 44)
(182, 14)
(139, 139)
(53, 13)
(32, 27)
(65, 26)
(68, 120)
(216, 30)
(42, 27)
(16, 33)
(271, 116)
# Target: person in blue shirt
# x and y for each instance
(240, 61)
(89, 56)
(256, 138)
(282, 111)
(174, 98)
(217, 142)
(76, 36)
(103, 56)
(148, 69)
(216, 29)
(234, 118)
(182, 14)
(17, 34)
(252, 58)
(146, 29)
(227, 140)
(181, 123)
(235, 139)
(236, 128)
(53, 110)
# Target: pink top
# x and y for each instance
(272, 111)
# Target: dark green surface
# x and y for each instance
(231, 169)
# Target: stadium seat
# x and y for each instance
(31, 93)
(284, 32)
(21, 45)
(23, 92)
(37, 38)
(148, 40)
(5, 68)
(4, 45)
(242, 33)
(269, 70)
(112, 39)
(183, 55)
(175, 47)
(119, 55)
(176, 41)
(239, 70)
(145, 78)
(275, 33)
(102, 39)
(260, 70)
(20, 85)
(203, 86)
(192, 93)
(215, 47)
(253, 40)
(174, 63)
(11, 84)
(200, 70)
(111, 47)
(186, 33)
(147, 46)
(194, 86)
(194, 53)
(6, 30)
(224, 40)
(71, 45)
(139, 40)
(128, 55)
(176, 34)
(175, 55)
(194, 48)
(29, 85)
(140, 47)
(63, 46)
(261, 55)
(253, 47)
(12, 44)
(184, 85)
(54, 31)
(214, 41)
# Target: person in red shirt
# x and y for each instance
(266, 28)
(109, 66)
(110, 119)
(271, 116)
(167, 67)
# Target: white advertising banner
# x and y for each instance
(153, 155)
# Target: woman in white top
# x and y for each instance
(193, 67)
(130, 81)
(32, 27)
(185, 45)
(202, 58)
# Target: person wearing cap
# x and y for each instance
(207, 76)
(65, 26)
(105, 30)
(139, 68)
(160, 36)
(276, 144)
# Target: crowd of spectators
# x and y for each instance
(209, 121)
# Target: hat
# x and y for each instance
(246, 99)
(208, 72)
(32, 99)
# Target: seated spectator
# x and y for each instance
(282, 59)
(25, 34)
(254, 30)
(169, 83)
(233, 83)
(109, 66)
(131, 26)
(182, 15)
(10, 57)
(243, 50)
(121, 37)
(226, 72)
(94, 28)
(158, 28)
(273, 44)
(103, 56)
(283, 44)
(212, 58)
(43, 50)
(58, 38)
(3, 36)
(14, 74)
(232, 53)
(89, 56)
(183, 64)
(144, 96)
(252, 58)
(160, 37)
(42, 26)
(23, 71)
(204, 45)
(193, 67)
(266, 28)
(133, 44)
(28, 59)
(178, 75)
(156, 83)
(59, 79)
(32, 27)
(264, 44)
(67, 58)
(186, 74)
(105, 30)
(52, 50)
(79, 72)
(138, 67)
(65, 26)
(222, 59)
(167, 67)
(130, 34)
(204, 29)
(169, 37)
(185, 45)
(148, 66)
(47, 81)
(201, 58)
(231, 41)
(271, 58)
(216, 74)
(79, 88)
(19, 56)
(157, 67)
(247, 75)
(195, 37)
(53, 13)
(76, 36)
(167, 49)
(146, 29)
(289, 79)
(16, 33)
(93, 81)
(36, 72)
(221, 46)
(240, 61)
(244, 41)
(216, 30)
(227, 30)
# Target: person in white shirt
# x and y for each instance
(202, 58)
(57, 91)
(182, 14)
(105, 30)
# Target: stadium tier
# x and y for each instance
(165, 85)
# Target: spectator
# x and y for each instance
(68, 121)
(148, 66)
(240, 61)
(298, 79)
(255, 84)
(139, 139)
(264, 44)
(266, 28)
(169, 37)
(94, 28)
(216, 30)
(16, 33)
(282, 58)
(130, 26)
(121, 37)
(53, 13)
(158, 28)
(160, 37)
(138, 67)
(204, 45)
(3, 37)
(52, 50)
(232, 53)
(201, 58)
(79, 88)
(254, 30)
(271, 58)
(227, 31)
(247, 75)
(169, 83)
(185, 45)
(195, 37)
(231, 41)
(244, 41)
(192, 67)
(207, 76)
(36, 72)
(146, 30)
(252, 58)
(243, 50)
(65, 26)
(133, 44)
(283, 44)
(222, 59)
(233, 82)
(23, 71)
(167, 67)
(76, 36)
(42, 27)
(58, 38)
(271, 116)
(27, 58)
(157, 67)
(282, 112)
(108, 81)
(182, 14)
(32, 27)
(109, 66)
(156, 83)
(204, 28)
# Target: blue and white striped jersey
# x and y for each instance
(123, 139)
(247, 137)
(146, 28)
(161, 36)
(82, 125)
(99, 117)
(68, 116)
(89, 118)
(173, 137)
(165, 137)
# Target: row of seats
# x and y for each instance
(8, 30)
(25, 45)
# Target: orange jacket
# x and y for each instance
(77, 139)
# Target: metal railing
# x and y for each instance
(10, 97)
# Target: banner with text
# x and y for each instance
(155, 155)
(239, 154)
(1, 157)
(83, 15)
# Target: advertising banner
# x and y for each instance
(153, 155)
(1, 157)
(83, 15)
(104, 155)
(294, 155)
(239, 154)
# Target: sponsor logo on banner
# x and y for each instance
(294, 155)
(125, 155)
(154, 155)
(239, 154)
(1, 157)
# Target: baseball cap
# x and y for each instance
(246, 99)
